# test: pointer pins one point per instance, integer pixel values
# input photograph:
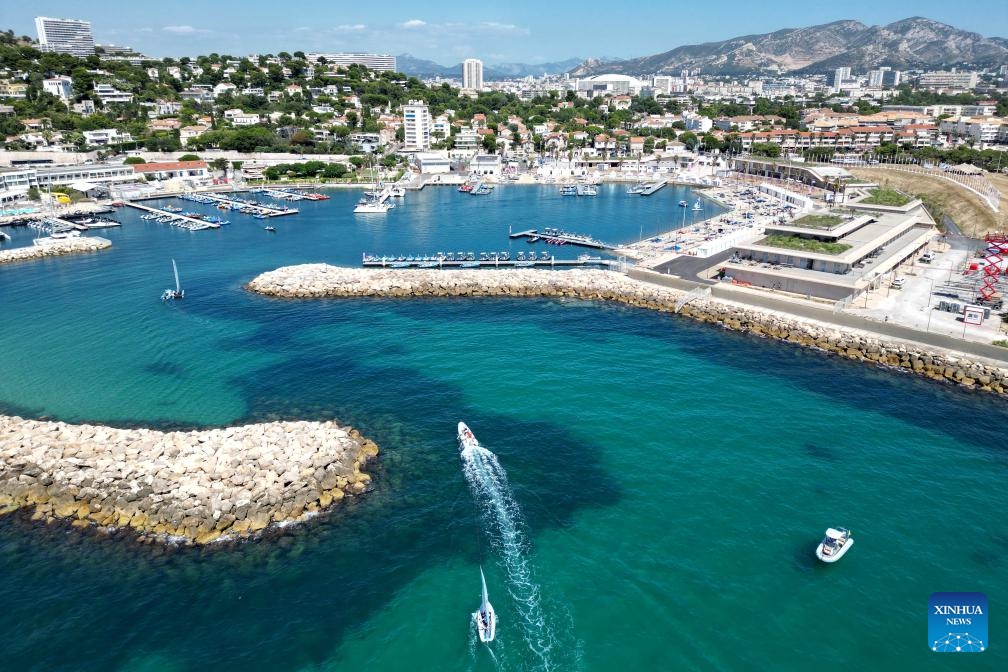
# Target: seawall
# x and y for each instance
(325, 281)
(55, 249)
(188, 487)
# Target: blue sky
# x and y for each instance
(512, 31)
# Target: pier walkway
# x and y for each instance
(190, 223)
(652, 187)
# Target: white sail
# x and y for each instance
(175, 268)
(486, 599)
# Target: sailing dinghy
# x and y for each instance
(178, 292)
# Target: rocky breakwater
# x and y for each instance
(55, 248)
(322, 280)
(189, 487)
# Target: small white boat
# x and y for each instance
(373, 205)
(833, 546)
(173, 294)
(485, 618)
(683, 204)
(698, 205)
(466, 439)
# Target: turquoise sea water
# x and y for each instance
(651, 499)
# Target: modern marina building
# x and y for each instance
(837, 254)
(472, 74)
(65, 36)
(379, 62)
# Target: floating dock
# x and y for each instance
(652, 187)
(255, 209)
(399, 262)
(556, 237)
(192, 223)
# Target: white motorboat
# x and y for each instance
(173, 294)
(837, 541)
(466, 439)
(485, 618)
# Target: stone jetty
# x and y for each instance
(55, 248)
(322, 281)
(191, 487)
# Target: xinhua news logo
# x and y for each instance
(957, 622)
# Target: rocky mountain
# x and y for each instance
(418, 67)
(911, 43)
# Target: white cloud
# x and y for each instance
(146, 30)
(413, 23)
(184, 30)
(350, 28)
(495, 27)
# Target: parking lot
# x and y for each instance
(915, 305)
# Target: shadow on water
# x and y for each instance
(300, 593)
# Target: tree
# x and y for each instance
(219, 164)
(690, 139)
(490, 143)
(189, 157)
(133, 160)
(33, 194)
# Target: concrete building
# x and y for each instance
(106, 136)
(416, 126)
(61, 87)
(189, 170)
(109, 94)
(379, 62)
(433, 163)
(65, 36)
(487, 165)
(240, 118)
(857, 249)
(472, 74)
(608, 85)
(948, 80)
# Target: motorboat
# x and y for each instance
(271, 229)
(486, 617)
(837, 541)
(683, 204)
(173, 294)
(637, 188)
(466, 439)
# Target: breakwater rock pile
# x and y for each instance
(189, 487)
(322, 281)
(55, 248)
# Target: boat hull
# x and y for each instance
(836, 555)
(486, 631)
(466, 439)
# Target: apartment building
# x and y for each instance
(65, 36)
(416, 126)
(61, 87)
(472, 74)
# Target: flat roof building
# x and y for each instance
(836, 254)
(65, 36)
(379, 62)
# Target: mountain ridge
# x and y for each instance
(915, 42)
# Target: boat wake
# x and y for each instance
(502, 522)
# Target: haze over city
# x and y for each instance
(517, 31)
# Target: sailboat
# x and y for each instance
(485, 618)
(178, 292)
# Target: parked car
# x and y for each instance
(898, 283)
(927, 257)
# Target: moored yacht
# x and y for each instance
(833, 546)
